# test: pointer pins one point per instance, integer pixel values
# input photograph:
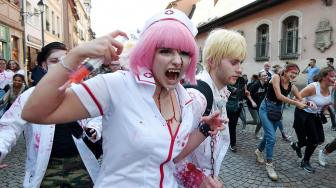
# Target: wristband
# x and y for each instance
(204, 129)
(69, 69)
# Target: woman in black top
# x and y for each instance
(278, 89)
(258, 91)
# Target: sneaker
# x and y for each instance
(307, 167)
(259, 156)
(233, 149)
(322, 158)
(296, 148)
(256, 136)
(271, 172)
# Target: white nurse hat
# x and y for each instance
(171, 14)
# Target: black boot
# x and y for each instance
(296, 148)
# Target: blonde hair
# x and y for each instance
(223, 43)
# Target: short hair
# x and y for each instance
(164, 34)
(312, 59)
(45, 52)
(223, 43)
(330, 59)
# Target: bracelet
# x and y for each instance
(204, 129)
(69, 69)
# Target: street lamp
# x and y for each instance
(40, 4)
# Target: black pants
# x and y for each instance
(233, 119)
(309, 131)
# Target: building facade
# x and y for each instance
(77, 22)
(278, 31)
(53, 21)
(10, 30)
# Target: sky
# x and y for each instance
(125, 15)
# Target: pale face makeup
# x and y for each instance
(228, 71)
(54, 58)
(169, 66)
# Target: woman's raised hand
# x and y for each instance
(107, 47)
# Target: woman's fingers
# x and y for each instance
(117, 33)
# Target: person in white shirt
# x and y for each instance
(15, 67)
(147, 114)
(5, 76)
(267, 69)
(51, 147)
(223, 52)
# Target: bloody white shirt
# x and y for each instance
(137, 143)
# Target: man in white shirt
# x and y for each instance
(223, 52)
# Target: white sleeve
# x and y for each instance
(96, 124)
(94, 95)
(12, 125)
(198, 105)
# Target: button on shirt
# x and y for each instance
(138, 145)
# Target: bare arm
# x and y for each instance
(296, 93)
(276, 87)
(196, 137)
(307, 91)
(48, 104)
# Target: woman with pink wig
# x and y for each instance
(147, 114)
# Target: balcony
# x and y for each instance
(289, 48)
(262, 51)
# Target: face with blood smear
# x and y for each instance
(169, 66)
(291, 73)
(331, 78)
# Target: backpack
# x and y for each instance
(205, 89)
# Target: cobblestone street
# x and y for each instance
(239, 169)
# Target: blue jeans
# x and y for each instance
(270, 128)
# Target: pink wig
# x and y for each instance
(164, 34)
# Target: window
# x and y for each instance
(58, 26)
(262, 45)
(28, 9)
(53, 22)
(47, 18)
(290, 38)
(15, 48)
(36, 16)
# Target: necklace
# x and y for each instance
(172, 122)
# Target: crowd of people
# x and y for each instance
(145, 126)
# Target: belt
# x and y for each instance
(273, 102)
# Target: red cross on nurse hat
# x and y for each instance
(172, 14)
